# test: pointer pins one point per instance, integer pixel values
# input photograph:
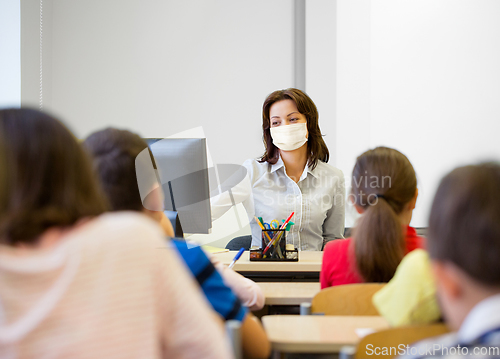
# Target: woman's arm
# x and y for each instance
(333, 226)
(240, 193)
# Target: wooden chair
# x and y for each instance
(349, 299)
(396, 338)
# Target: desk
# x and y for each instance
(316, 333)
(289, 293)
(307, 268)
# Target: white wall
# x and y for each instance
(161, 67)
(10, 53)
(321, 67)
(353, 88)
(422, 77)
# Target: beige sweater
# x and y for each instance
(109, 289)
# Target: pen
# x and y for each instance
(287, 220)
(236, 257)
(263, 228)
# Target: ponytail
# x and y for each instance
(383, 182)
(379, 243)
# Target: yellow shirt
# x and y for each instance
(410, 296)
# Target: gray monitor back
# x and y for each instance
(183, 170)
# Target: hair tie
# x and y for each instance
(380, 196)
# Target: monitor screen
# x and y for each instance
(183, 171)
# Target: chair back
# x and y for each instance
(239, 242)
(397, 338)
(349, 299)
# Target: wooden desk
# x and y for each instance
(316, 333)
(289, 293)
(308, 267)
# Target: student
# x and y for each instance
(384, 191)
(114, 154)
(76, 283)
(291, 176)
(410, 296)
(464, 246)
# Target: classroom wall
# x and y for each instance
(417, 76)
(422, 77)
(10, 53)
(159, 68)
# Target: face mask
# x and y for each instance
(289, 137)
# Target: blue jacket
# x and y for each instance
(220, 296)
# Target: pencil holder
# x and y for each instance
(277, 247)
(276, 251)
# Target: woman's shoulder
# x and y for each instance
(325, 169)
(254, 164)
(255, 168)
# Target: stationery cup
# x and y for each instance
(278, 237)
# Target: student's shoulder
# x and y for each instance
(338, 244)
(123, 227)
(192, 254)
(417, 258)
(122, 240)
(336, 249)
(414, 241)
(128, 220)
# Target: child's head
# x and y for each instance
(115, 154)
(46, 177)
(464, 238)
(384, 189)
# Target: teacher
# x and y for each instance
(292, 175)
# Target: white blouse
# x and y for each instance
(318, 200)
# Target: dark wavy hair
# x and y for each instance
(46, 177)
(316, 146)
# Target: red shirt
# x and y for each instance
(339, 267)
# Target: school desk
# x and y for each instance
(306, 269)
(317, 333)
(288, 293)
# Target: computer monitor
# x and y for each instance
(183, 170)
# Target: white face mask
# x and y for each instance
(289, 137)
